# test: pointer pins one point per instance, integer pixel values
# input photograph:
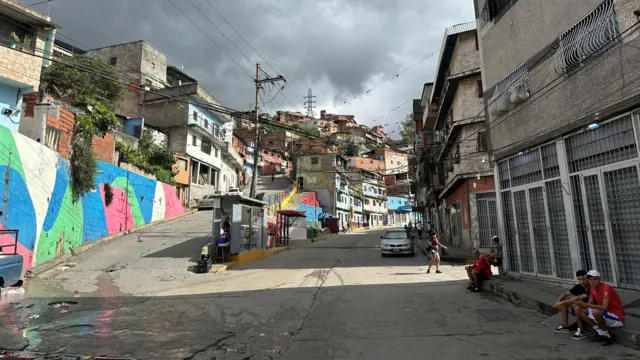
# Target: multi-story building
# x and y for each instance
(367, 163)
(397, 215)
(289, 117)
(23, 34)
(395, 162)
(457, 100)
(326, 174)
(374, 194)
(563, 115)
(181, 109)
(357, 209)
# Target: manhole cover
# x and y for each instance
(496, 315)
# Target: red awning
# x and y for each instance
(272, 159)
(291, 213)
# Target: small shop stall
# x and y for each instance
(244, 221)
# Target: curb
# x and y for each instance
(51, 264)
(215, 269)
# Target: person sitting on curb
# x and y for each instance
(478, 272)
(604, 309)
(495, 258)
(565, 301)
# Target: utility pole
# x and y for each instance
(256, 152)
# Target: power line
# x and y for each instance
(210, 38)
(596, 61)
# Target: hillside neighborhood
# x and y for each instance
(145, 214)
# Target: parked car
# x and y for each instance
(234, 191)
(10, 263)
(397, 242)
(206, 202)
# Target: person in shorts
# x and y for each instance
(565, 301)
(434, 252)
(478, 272)
(604, 309)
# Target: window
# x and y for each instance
(366, 201)
(493, 8)
(456, 156)
(113, 61)
(182, 164)
(194, 140)
(482, 141)
(195, 116)
(479, 91)
(206, 123)
(205, 147)
(590, 37)
(315, 160)
(52, 138)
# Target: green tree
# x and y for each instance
(408, 130)
(90, 85)
(349, 149)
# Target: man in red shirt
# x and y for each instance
(604, 309)
(478, 272)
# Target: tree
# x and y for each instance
(408, 130)
(90, 85)
(349, 149)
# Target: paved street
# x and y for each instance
(335, 299)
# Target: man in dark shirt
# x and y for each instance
(566, 302)
(495, 258)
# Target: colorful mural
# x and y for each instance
(37, 201)
(311, 205)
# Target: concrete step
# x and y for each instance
(539, 296)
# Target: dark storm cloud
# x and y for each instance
(338, 47)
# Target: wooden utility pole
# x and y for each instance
(256, 151)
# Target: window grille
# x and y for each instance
(592, 36)
(512, 90)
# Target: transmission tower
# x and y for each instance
(310, 103)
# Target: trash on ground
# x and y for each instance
(34, 316)
(13, 291)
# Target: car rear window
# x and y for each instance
(395, 235)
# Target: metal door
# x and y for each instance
(487, 218)
(523, 231)
(540, 232)
(456, 227)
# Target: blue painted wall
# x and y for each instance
(9, 100)
(394, 202)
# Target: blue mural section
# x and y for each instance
(394, 202)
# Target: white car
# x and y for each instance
(234, 191)
(397, 242)
(206, 202)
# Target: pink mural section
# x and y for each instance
(173, 206)
(117, 214)
(8, 239)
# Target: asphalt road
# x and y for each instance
(335, 299)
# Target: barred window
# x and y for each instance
(511, 91)
(592, 36)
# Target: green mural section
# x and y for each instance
(8, 149)
(66, 232)
(136, 213)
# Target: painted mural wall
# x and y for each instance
(37, 201)
(311, 204)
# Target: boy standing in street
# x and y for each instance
(580, 292)
(604, 309)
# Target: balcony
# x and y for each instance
(493, 8)
(211, 131)
(230, 154)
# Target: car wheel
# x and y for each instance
(413, 253)
(383, 255)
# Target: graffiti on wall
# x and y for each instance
(310, 204)
(36, 200)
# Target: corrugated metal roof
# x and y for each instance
(460, 28)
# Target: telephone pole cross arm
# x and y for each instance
(256, 151)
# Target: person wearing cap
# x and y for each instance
(604, 309)
(495, 258)
(565, 302)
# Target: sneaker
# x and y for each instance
(438, 272)
(562, 329)
(579, 335)
(428, 271)
(476, 289)
(606, 341)
(471, 286)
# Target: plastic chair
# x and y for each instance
(223, 246)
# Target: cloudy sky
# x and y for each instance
(339, 48)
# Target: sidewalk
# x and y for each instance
(538, 296)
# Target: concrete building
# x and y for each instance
(395, 215)
(367, 163)
(563, 117)
(457, 103)
(326, 174)
(179, 108)
(23, 33)
(374, 195)
(395, 162)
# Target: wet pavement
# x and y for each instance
(335, 299)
